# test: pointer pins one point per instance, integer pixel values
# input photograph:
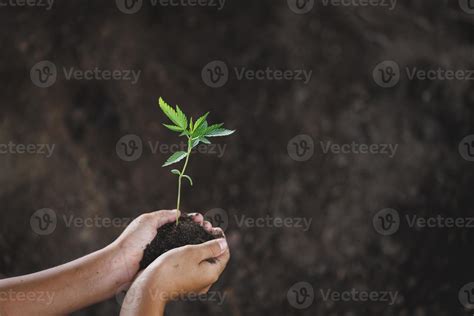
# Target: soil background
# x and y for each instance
(256, 177)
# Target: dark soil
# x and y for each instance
(172, 236)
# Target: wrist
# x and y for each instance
(122, 269)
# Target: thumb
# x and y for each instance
(210, 249)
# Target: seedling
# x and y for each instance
(198, 132)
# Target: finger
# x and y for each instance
(219, 262)
(207, 226)
(213, 270)
(160, 218)
(197, 217)
(217, 232)
(209, 249)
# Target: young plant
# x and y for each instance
(198, 132)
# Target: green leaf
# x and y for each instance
(169, 112)
(175, 171)
(200, 121)
(220, 132)
(189, 178)
(173, 128)
(183, 121)
(191, 124)
(201, 130)
(177, 156)
(204, 140)
(213, 127)
(195, 142)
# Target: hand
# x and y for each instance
(177, 272)
(130, 245)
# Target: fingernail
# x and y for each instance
(192, 214)
(222, 244)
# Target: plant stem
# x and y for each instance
(181, 176)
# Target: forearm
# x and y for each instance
(65, 288)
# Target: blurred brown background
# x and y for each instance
(256, 177)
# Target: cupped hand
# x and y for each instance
(129, 246)
(180, 271)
